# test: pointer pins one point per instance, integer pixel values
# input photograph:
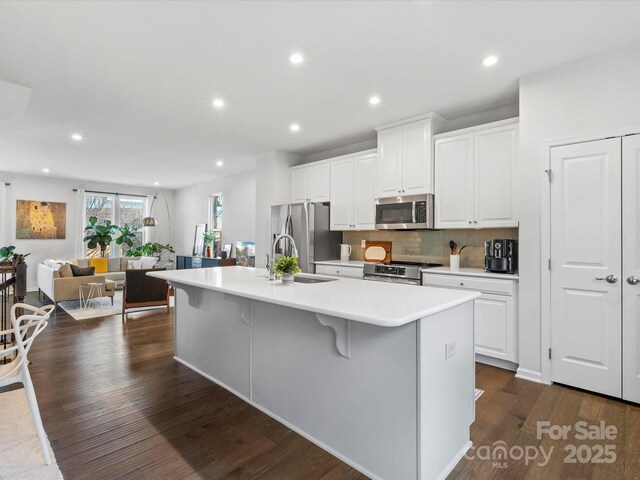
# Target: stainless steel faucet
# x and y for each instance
(294, 252)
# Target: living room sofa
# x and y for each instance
(59, 288)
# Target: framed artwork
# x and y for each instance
(198, 240)
(246, 254)
(227, 248)
(37, 220)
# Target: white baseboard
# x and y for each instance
(497, 362)
(449, 468)
(530, 375)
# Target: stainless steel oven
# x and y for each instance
(405, 212)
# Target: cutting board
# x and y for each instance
(377, 251)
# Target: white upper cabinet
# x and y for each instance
(417, 162)
(311, 183)
(364, 179)
(476, 175)
(405, 163)
(341, 212)
(353, 192)
(299, 184)
(389, 163)
(454, 182)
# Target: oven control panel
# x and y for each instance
(390, 270)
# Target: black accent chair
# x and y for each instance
(141, 290)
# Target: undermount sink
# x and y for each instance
(299, 279)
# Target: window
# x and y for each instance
(121, 210)
(131, 213)
(215, 219)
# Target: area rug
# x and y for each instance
(21, 456)
(99, 307)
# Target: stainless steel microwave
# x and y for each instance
(405, 212)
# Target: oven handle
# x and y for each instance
(405, 281)
(413, 212)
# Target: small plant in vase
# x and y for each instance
(208, 241)
(286, 267)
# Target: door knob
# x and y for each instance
(633, 280)
(608, 278)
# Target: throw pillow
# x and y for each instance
(82, 271)
(135, 265)
(65, 271)
(148, 262)
(73, 261)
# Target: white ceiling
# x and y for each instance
(137, 78)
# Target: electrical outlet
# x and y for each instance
(363, 243)
(449, 349)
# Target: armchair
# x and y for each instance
(141, 290)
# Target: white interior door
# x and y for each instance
(631, 268)
(586, 250)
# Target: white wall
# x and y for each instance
(27, 187)
(273, 187)
(592, 96)
(238, 213)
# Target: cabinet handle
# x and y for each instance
(462, 284)
(469, 222)
(475, 221)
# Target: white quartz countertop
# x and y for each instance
(339, 263)
(376, 303)
(471, 272)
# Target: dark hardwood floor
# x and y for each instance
(116, 405)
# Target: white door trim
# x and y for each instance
(545, 237)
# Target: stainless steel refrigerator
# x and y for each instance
(308, 224)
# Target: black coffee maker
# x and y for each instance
(501, 256)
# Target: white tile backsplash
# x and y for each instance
(431, 245)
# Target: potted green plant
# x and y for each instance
(18, 258)
(286, 267)
(208, 241)
(97, 235)
(127, 235)
(6, 254)
(153, 249)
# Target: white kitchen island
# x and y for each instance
(360, 368)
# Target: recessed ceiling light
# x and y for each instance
(46, 170)
(490, 60)
(374, 100)
(218, 103)
(156, 183)
(296, 58)
(76, 136)
(219, 163)
(294, 127)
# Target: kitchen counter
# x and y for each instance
(359, 368)
(340, 263)
(470, 272)
(375, 303)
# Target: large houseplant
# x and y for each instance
(99, 235)
(287, 267)
(152, 249)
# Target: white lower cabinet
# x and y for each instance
(495, 314)
(350, 271)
